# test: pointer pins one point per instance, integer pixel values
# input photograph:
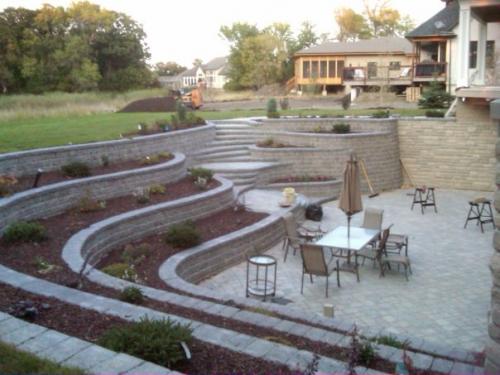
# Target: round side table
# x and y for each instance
(261, 276)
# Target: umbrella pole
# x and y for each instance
(348, 237)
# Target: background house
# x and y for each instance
(374, 62)
(216, 72)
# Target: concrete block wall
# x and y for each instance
(305, 161)
(492, 364)
(311, 189)
(358, 124)
(449, 154)
(53, 199)
(185, 141)
(379, 150)
(97, 240)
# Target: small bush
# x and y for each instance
(165, 155)
(192, 119)
(142, 129)
(381, 114)
(174, 120)
(132, 294)
(105, 160)
(272, 109)
(435, 96)
(366, 354)
(23, 231)
(389, 341)
(195, 173)
(201, 183)
(156, 341)
(135, 254)
(183, 235)
(122, 271)
(284, 104)
(346, 102)
(150, 160)
(434, 113)
(6, 182)
(341, 128)
(180, 108)
(142, 195)
(88, 204)
(76, 169)
(318, 129)
(157, 189)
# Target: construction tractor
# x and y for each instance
(192, 98)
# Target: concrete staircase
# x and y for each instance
(228, 154)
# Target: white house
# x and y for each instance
(216, 72)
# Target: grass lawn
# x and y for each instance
(13, 361)
(21, 134)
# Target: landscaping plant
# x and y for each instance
(183, 235)
(157, 189)
(76, 169)
(23, 231)
(157, 341)
(381, 114)
(434, 113)
(6, 182)
(122, 271)
(435, 96)
(341, 128)
(272, 109)
(135, 254)
(132, 294)
(205, 173)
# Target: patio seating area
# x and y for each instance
(447, 296)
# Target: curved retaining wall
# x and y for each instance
(185, 141)
(103, 236)
(305, 160)
(311, 189)
(379, 150)
(52, 199)
(358, 124)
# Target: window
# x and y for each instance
(306, 69)
(394, 65)
(372, 70)
(490, 54)
(331, 69)
(340, 68)
(314, 69)
(473, 54)
(322, 69)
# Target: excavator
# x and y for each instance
(193, 98)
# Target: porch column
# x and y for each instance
(481, 53)
(463, 45)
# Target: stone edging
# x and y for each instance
(186, 141)
(55, 198)
(100, 237)
(70, 351)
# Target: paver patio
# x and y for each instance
(448, 296)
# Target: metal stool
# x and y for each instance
(480, 210)
(429, 200)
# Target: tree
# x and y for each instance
(307, 37)
(169, 68)
(197, 62)
(352, 26)
(386, 21)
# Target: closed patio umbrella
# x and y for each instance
(350, 197)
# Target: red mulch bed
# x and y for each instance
(213, 226)
(60, 228)
(74, 321)
(47, 178)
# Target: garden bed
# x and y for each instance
(74, 321)
(29, 257)
(52, 177)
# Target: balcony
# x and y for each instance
(377, 75)
(429, 71)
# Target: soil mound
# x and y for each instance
(159, 104)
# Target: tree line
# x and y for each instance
(83, 47)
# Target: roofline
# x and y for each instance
(299, 54)
(449, 35)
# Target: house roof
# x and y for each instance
(368, 46)
(189, 72)
(441, 24)
(216, 63)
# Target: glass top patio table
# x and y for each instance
(358, 238)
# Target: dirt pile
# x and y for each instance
(159, 104)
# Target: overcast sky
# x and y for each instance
(180, 30)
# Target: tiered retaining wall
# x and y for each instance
(185, 141)
(56, 198)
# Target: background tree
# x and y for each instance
(197, 62)
(386, 21)
(352, 25)
(169, 68)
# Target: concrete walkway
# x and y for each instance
(447, 297)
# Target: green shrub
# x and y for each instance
(174, 120)
(346, 102)
(341, 128)
(180, 108)
(284, 104)
(192, 119)
(150, 160)
(23, 231)
(435, 96)
(381, 114)
(135, 254)
(6, 182)
(366, 354)
(389, 341)
(142, 129)
(122, 271)
(205, 173)
(183, 235)
(156, 341)
(272, 109)
(132, 294)
(89, 204)
(76, 169)
(157, 189)
(434, 113)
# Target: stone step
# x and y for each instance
(237, 142)
(238, 137)
(232, 126)
(236, 131)
(222, 155)
(237, 167)
(218, 149)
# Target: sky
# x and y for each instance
(181, 31)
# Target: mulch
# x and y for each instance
(74, 321)
(159, 104)
(47, 178)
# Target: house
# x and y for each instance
(213, 74)
(216, 72)
(374, 62)
(457, 45)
